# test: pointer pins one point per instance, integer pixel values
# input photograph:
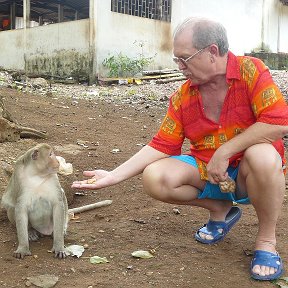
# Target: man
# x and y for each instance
(235, 117)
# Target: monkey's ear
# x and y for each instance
(35, 154)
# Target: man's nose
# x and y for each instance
(181, 66)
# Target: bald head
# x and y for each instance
(203, 32)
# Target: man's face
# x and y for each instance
(194, 63)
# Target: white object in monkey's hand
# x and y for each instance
(228, 186)
(35, 201)
(64, 168)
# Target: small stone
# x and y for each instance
(176, 211)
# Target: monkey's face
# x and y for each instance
(53, 161)
(45, 159)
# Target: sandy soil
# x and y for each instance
(85, 132)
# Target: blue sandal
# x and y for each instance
(264, 258)
(218, 229)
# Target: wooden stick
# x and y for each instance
(90, 206)
(172, 79)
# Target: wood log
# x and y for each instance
(172, 79)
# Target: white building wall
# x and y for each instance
(12, 47)
(54, 37)
(116, 32)
(55, 50)
(243, 20)
(81, 46)
(271, 21)
(276, 26)
(283, 31)
(58, 49)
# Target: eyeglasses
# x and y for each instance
(179, 60)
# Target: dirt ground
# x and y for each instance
(84, 133)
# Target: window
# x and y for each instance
(152, 9)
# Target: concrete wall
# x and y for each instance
(67, 49)
(57, 49)
(283, 35)
(123, 33)
(275, 61)
(12, 49)
(271, 21)
(79, 47)
(276, 26)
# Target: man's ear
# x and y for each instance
(214, 50)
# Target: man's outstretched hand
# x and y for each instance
(98, 179)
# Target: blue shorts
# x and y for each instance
(213, 191)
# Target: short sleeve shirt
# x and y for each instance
(252, 97)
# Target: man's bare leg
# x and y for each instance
(163, 181)
(253, 174)
(261, 175)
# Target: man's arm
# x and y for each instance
(137, 163)
(132, 167)
(255, 134)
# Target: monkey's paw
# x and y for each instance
(33, 235)
(60, 253)
(20, 253)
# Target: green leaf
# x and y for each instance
(98, 260)
(282, 282)
(284, 278)
(142, 254)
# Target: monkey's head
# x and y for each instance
(44, 158)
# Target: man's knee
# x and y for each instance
(153, 180)
(262, 157)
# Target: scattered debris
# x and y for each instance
(248, 252)
(115, 150)
(147, 75)
(172, 79)
(282, 282)
(140, 221)
(82, 143)
(98, 260)
(142, 254)
(176, 211)
(80, 193)
(160, 72)
(281, 79)
(147, 94)
(43, 281)
(75, 250)
(90, 206)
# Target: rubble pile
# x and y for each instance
(281, 79)
(149, 94)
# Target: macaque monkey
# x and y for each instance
(35, 201)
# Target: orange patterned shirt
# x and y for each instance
(252, 97)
